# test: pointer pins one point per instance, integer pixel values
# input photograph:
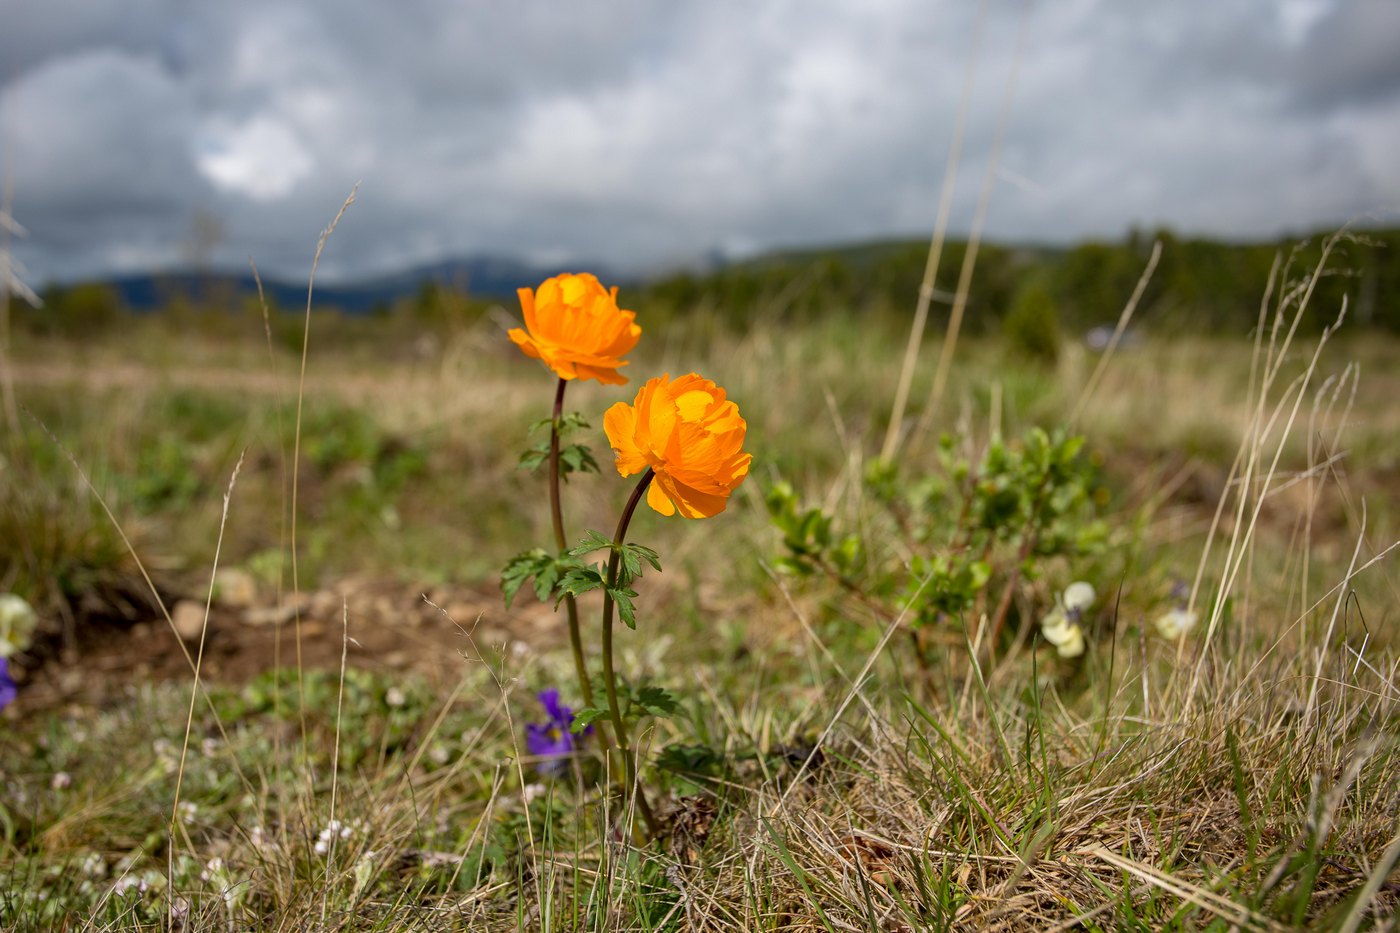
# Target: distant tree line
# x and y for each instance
(1200, 285)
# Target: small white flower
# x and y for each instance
(531, 791)
(394, 697)
(188, 811)
(94, 865)
(1078, 596)
(213, 870)
(335, 829)
(1073, 646)
(127, 883)
(1066, 636)
(209, 747)
(1060, 626)
(165, 755)
(17, 623)
(61, 780)
(1055, 627)
(1175, 623)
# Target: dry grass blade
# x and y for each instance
(964, 288)
(1205, 899)
(1123, 320)
(935, 248)
(296, 446)
(194, 687)
(1366, 897)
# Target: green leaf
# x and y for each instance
(646, 554)
(533, 458)
(536, 563)
(586, 717)
(571, 421)
(633, 556)
(590, 542)
(690, 759)
(631, 566)
(623, 597)
(656, 701)
(577, 458)
(580, 580)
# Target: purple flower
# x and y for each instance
(8, 690)
(552, 740)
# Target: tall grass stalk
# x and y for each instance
(974, 242)
(296, 448)
(935, 247)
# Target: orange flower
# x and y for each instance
(576, 327)
(690, 435)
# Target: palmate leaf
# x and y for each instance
(590, 542)
(633, 555)
(536, 563)
(690, 759)
(534, 458)
(585, 718)
(575, 458)
(570, 422)
(579, 580)
(657, 701)
(625, 611)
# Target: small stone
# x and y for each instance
(235, 588)
(277, 615)
(327, 603)
(188, 619)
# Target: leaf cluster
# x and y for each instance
(556, 576)
(573, 458)
(646, 700)
(933, 543)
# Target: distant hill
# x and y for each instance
(480, 276)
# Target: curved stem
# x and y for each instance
(624, 743)
(561, 541)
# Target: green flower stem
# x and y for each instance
(624, 743)
(556, 510)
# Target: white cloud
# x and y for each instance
(635, 133)
(262, 158)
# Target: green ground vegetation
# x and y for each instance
(871, 732)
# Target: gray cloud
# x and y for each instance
(640, 133)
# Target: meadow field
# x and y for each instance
(275, 684)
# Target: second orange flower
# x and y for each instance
(690, 435)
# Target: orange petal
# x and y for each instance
(656, 498)
(620, 425)
(691, 502)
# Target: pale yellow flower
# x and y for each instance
(1175, 623)
(17, 624)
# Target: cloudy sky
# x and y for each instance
(649, 133)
